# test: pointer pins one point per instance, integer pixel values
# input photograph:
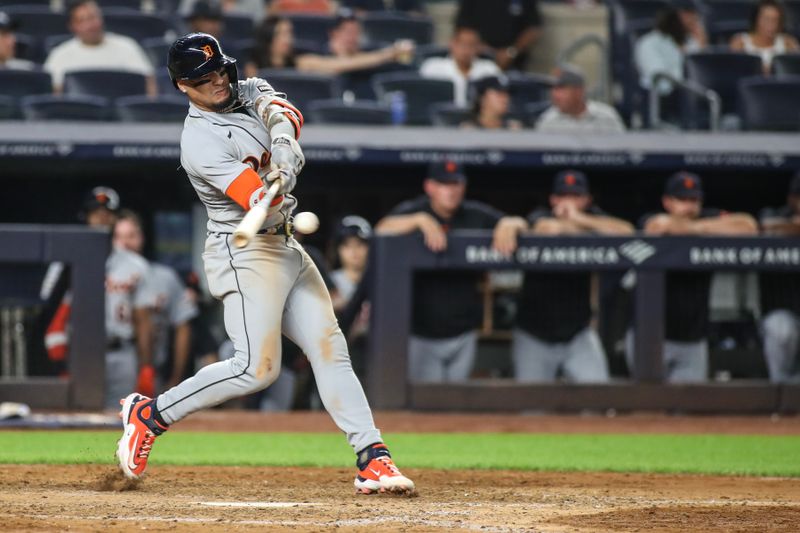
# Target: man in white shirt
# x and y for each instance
(572, 112)
(8, 42)
(93, 48)
(462, 65)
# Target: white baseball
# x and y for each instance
(306, 222)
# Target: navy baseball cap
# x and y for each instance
(570, 182)
(353, 226)
(684, 185)
(446, 172)
(6, 23)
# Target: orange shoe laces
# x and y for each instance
(389, 464)
(147, 445)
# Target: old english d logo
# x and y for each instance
(207, 51)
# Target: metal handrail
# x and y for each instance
(577, 46)
(711, 96)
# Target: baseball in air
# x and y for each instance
(306, 222)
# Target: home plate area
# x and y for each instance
(94, 498)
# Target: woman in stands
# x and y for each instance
(275, 47)
(491, 106)
(766, 37)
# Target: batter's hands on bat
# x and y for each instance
(286, 154)
(287, 177)
(433, 233)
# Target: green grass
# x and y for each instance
(707, 454)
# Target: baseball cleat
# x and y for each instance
(380, 474)
(140, 430)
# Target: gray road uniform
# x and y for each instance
(172, 307)
(268, 288)
(128, 287)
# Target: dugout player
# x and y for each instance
(446, 311)
(780, 295)
(553, 335)
(687, 293)
(172, 310)
(235, 134)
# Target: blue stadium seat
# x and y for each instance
(157, 50)
(137, 25)
(19, 83)
(9, 109)
(358, 112)
(420, 93)
(770, 104)
(27, 47)
(448, 114)
(388, 26)
(164, 83)
(238, 27)
(721, 72)
(793, 17)
(533, 111)
(312, 28)
(146, 109)
(65, 107)
(51, 41)
(525, 88)
(37, 21)
(786, 65)
(300, 87)
(724, 18)
(105, 83)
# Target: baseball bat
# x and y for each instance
(254, 218)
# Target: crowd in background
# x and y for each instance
(488, 40)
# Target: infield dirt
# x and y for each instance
(96, 498)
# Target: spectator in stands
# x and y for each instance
(508, 28)
(8, 43)
(573, 112)
(172, 309)
(446, 305)
(553, 335)
(687, 293)
(318, 7)
(257, 9)
(94, 48)
(352, 248)
(780, 295)
(205, 17)
(362, 7)
(275, 48)
(766, 37)
(462, 65)
(491, 104)
(678, 31)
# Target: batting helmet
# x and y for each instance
(197, 54)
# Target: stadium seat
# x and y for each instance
(358, 112)
(770, 104)
(19, 83)
(300, 87)
(786, 65)
(8, 108)
(137, 25)
(419, 93)
(26, 47)
(164, 83)
(525, 88)
(146, 109)
(51, 41)
(725, 18)
(240, 26)
(157, 50)
(721, 72)
(448, 114)
(390, 26)
(66, 107)
(533, 111)
(130, 5)
(105, 83)
(312, 28)
(359, 82)
(37, 21)
(793, 17)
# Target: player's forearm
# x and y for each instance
(143, 328)
(733, 224)
(606, 225)
(398, 224)
(339, 65)
(781, 227)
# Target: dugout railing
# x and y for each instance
(84, 250)
(395, 258)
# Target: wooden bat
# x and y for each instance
(254, 218)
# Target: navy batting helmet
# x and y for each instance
(197, 54)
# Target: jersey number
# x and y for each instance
(255, 163)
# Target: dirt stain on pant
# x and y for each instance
(270, 352)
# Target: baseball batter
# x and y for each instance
(235, 133)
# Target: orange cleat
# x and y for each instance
(380, 473)
(140, 430)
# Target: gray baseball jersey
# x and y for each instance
(128, 287)
(172, 307)
(268, 288)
